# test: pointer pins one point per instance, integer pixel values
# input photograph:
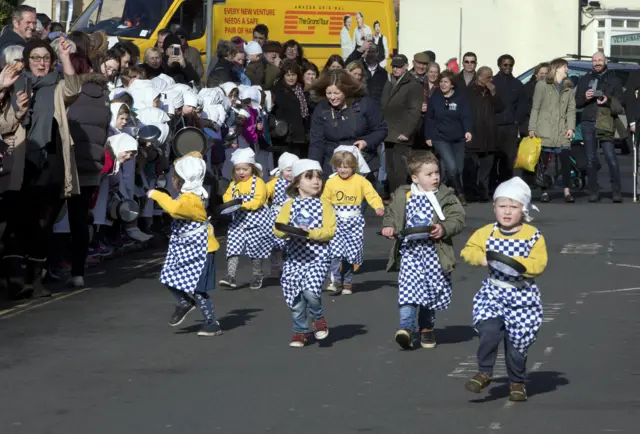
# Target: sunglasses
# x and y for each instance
(507, 65)
(470, 62)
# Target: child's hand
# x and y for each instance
(304, 228)
(234, 145)
(437, 232)
(388, 232)
(150, 192)
(484, 262)
(380, 212)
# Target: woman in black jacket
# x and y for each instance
(290, 105)
(88, 118)
(540, 73)
(344, 116)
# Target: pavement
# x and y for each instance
(103, 360)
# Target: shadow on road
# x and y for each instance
(237, 318)
(538, 383)
(371, 285)
(455, 334)
(342, 333)
(373, 265)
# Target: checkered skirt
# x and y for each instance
(348, 243)
(422, 281)
(516, 300)
(306, 262)
(279, 199)
(186, 255)
(250, 233)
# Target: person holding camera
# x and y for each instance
(175, 64)
(595, 90)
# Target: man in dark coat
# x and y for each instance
(485, 103)
(511, 93)
(467, 77)
(24, 25)
(401, 101)
(594, 91)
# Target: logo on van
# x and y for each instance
(304, 22)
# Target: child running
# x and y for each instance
(189, 270)
(425, 263)
(276, 193)
(307, 260)
(507, 307)
(346, 191)
(250, 231)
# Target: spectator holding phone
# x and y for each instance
(596, 90)
(175, 64)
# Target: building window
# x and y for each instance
(601, 23)
(633, 24)
(617, 23)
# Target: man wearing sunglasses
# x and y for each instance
(511, 92)
(467, 77)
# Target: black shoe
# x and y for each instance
(256, 283)
(545, 198)
(427, 339)
(180, 314)
(569, 199)
(594, 197)
(210, 330)
(617, 198)
(229, 282)
(404, 338)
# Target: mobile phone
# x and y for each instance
(176, 50)
(27, 86)
(598, 93)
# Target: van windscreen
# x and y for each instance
(128, 18)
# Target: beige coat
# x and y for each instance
(553, 113)
(67, 90)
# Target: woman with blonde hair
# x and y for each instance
(553, 120)
(356, 69)
(344, 116)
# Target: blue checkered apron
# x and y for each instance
(514, 299)
(250, 232)
(306, 262)
(422, 281)
(186, 255)
(279, 198)
(348, 241)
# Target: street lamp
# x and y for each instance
(582, 6)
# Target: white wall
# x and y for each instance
(531, 31)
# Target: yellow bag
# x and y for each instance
(528, 154)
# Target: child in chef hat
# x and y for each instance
(277, 195)
(508, 302)
(250, 231)
(192, 245)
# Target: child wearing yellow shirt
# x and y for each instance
(277, 196)
(250, 231)
(189, 270)
(346, 192)
(307, 259)
(508, 306)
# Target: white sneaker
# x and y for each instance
(333, 287)
(138, 235)
(77, 282)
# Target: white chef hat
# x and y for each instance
(285, 161)
(214, 113)
(212, 95)
(172, 99)
(162, 81)
(152, 115)
(192, 171)
(121, 143)
(242, 112)
(192, 99)
(363, 167)
(143, 97)
(111, 41)
(253, 48)
(115, 109)
(228, 87)
(117, 92)
(246, 156)
(518, 190)
(252, 93)
(301, 166)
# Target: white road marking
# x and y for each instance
(611, 291)
(548, 351)
(581, 249)
(469, 368)
(536, 366)
(623, 265)
(551, 311)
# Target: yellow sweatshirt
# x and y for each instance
(323, 234)
(188, 207)
(475, 253)
(244, 188)
(271, 188)
(351, 191)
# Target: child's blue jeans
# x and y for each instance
(426, 317)
(492, 332)
(344, 276)
(304, 300)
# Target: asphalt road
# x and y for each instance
(104, 360)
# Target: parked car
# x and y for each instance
(578, 68)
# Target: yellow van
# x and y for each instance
(322, 27)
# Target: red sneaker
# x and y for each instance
(320, 329)
(298, 340)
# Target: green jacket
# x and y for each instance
(606, 120)
(553, 113)
(394, 217)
